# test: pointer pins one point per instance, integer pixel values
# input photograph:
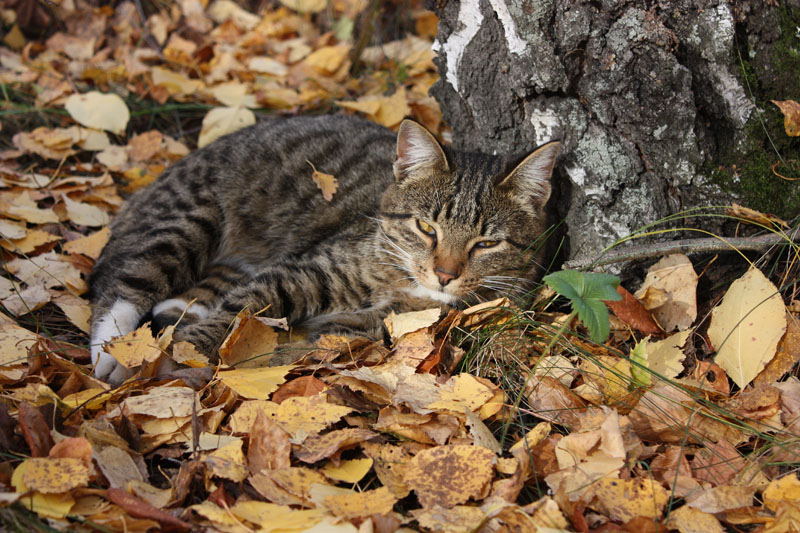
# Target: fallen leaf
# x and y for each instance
(665, 357)
(328, 59)
(747, 326)
(54, 476)
(450, 475)
(85, 214)
(674, 281)
(348, 471)
(788, 353)
(141, 509)
(98, 110)
(91, 245)
(255, 383)
(250, 343)
(222, 121)
(14, 344)
(135, 348)
(399, 325)
(162, 402)
(326, 182)
(624, 499)
(633, 313)
(175, 83)
(306, 6)
(20, 206)
(361, 504)
(322, 446)
(791, 116)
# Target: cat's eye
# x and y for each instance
(486, 244)
(426, 228)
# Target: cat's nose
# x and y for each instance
(446, 276)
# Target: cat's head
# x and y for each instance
(457, 224)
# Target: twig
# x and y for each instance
(686, 246)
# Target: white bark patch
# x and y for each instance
(470, 18)
(515, 44)
(545, 123)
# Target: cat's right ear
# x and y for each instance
(417, 149)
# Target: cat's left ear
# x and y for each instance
(531, 179)
(417, 150)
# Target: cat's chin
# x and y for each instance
(420, 291)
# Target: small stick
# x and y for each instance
(686, 246)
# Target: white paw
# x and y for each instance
(122, 318)
(177, 304)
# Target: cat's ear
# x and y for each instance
(531, 179)
(417, 150)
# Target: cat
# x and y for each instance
(240, 223)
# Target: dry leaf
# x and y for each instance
(326, 182)
(669, 291)
(53, 476)
(222, 121)
(255, 383)
(349, 471)
(791, 116)
(90, 245)
(135, 348)
(98, 110)
(746, 326)
(399, 325)
(450, 475)
(361, 504)
(306, 6)
(85, 214)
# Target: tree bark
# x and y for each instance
(648, 98)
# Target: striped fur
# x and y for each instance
(241, 223)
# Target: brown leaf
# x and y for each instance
(141, 509)
(269, 447)
(787, 355)
(791, 116)
(327, 183)
(321, 446)
(34, 429)
(633, 313)
(450, 475)
(302, 386)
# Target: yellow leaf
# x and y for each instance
(52, 476)
(223, 10)
(12, 230)
(791, 116)
(449, 475)
(399, 325)
(251, 343)
(49, 270)
(85, 214)
(28, 243)
(229, 462)
(48, 505)
(367, 105)
(135, 348)
(98, 110)
(255, 383)
(267, 65)
(176, 84)
(326, 182)
(689, 520)
(747, 326)
(625, 499)
(301, 416)
(275, 517)
(76, 309)
(162, 402)
(87, 399)
(14, 344)
(670, 292)
(306, 6)
(20, 206)
(91, 245)
(348, 471)
(361, 504)
(222, 121)
(460, 392)
(233, 94)
(185, 353)
(785, 489)
(664, 357)
(328, 59)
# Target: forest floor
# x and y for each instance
(680, 410)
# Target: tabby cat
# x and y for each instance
(240, 223)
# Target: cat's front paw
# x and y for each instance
(107, 368)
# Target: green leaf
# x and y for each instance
(586, 292)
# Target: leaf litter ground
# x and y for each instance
(485, 419)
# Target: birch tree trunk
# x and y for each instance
(651, 99)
